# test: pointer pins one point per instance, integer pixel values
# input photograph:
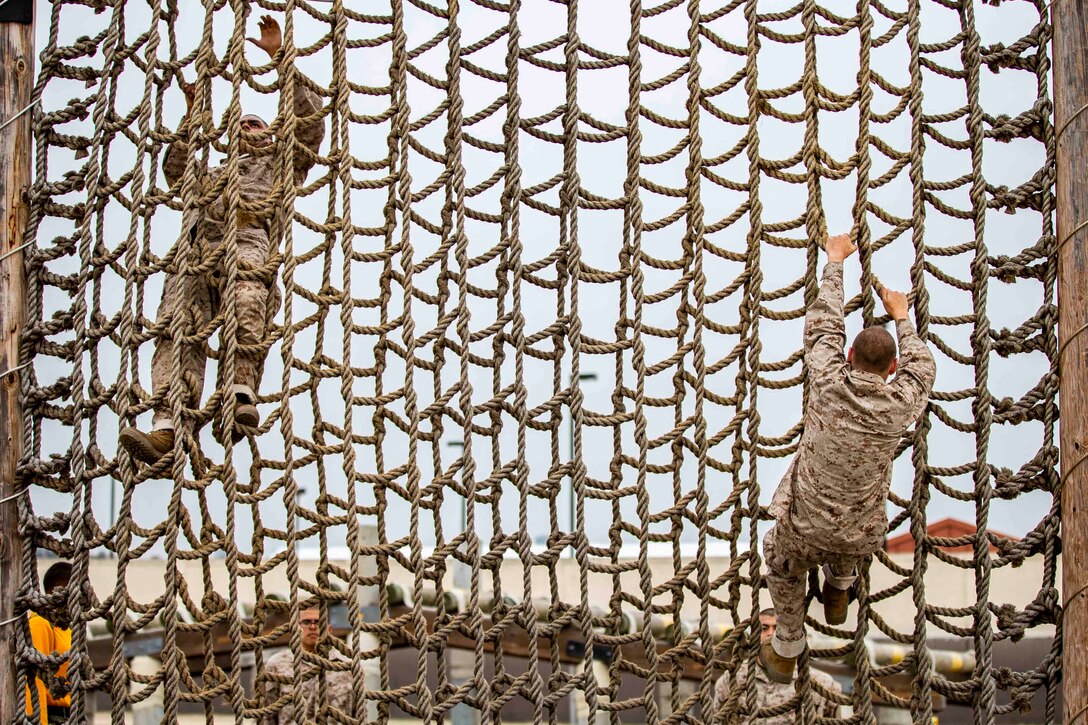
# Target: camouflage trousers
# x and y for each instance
(199, 298)
(789, 558)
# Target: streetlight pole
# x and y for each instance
(461, 662)
(584, 378)
(462, 575)
(300, 491)
(576, 701)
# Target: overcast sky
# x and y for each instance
(602, 94)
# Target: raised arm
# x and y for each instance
(825, 329)
(310, 127)
(917, 370)
(173, 166)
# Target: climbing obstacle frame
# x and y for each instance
(538, 342)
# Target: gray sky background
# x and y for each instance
(604, 25)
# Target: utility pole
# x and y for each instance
(1071, 126)
(16, 84)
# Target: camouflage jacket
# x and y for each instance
(259, 199)
(770, 694)
(306, 706)
(835, 490)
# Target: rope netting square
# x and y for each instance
(537, 362)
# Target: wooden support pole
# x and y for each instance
(1070, 17)
(16, 84)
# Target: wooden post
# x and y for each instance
(1071, 124)
(16, 84)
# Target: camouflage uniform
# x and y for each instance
(199, 296)
(830, 505)
(770, 694)
(307, 706)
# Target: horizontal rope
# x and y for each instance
(505, 307)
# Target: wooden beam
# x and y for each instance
(1071, 124)
(16, 84)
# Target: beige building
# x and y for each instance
(950, 585)
(947, 585)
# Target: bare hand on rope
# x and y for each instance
(839, 247)
(271, 39)
(189, 89)
(895, 303)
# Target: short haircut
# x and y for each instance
(874, 350)
(768, 612)
(57, 575)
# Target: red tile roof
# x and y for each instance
(945, 529)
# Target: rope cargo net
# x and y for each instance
(537, 362)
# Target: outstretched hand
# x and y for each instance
(189, 89)
(271, 39)
(839, 247)
(895, 303)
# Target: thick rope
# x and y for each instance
(466, 253)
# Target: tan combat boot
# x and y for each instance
(147, 447)
(836, 602)
(245, 417)
(779, 669)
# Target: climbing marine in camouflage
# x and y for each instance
(199, 294)
(307, 704)
(830, 506)
(769, 694)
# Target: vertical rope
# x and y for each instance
(752, 301)
(983, 403)
(78, 597)
(697, 231)
(452, 202)
(921, 694)
(1049, 453)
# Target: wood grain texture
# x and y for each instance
(16, 84)
(1070, 96)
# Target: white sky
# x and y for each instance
(603, 25)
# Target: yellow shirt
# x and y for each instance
(48, 640)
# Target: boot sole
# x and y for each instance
(139, 447)
(834, 617)
(244, 421)
(248, 418)
(837, 619)
(778, 677)
(781, 678)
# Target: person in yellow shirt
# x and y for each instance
(51, 634)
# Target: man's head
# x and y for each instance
(310, 622)
(873, 351)
(57, 576)
(55, 581)
(252, 128)
(768, 622)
